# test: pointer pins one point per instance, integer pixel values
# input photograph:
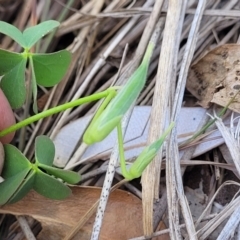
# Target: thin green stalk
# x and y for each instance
(57, 109)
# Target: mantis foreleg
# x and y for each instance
(143, 159)
(107, 94)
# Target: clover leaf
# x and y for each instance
(47, 69)
(21, 176)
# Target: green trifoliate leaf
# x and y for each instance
(50, 187)
(44, 150)
(24, 188)
(13, 85)
(13, 33)
(50, 68)
(10, 186)
(8, 60)
(66, 175)
(15, 162)
(32, 34)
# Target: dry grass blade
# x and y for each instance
(206, 227)
(231, 143)
(231, 225)
(165, 231)
(215, 222)
(26, 229)
(187, 58)
(147, 221)
(165, 78)
(218, 12)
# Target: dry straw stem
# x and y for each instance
(173, 162)
(151, 23)
(231, 143)
(75, 24)
(199, 44)
(210, 226)
(94, 207)
(166, 231)
(231, 226)
(25, 228)
(166, 76)
(218, 12)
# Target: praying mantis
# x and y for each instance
(106, 120)
(109, 116)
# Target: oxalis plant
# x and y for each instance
(46, 69)
(21, 175)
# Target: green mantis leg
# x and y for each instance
(108, 94)
(144, 158)
(124, 170)
(111, 94)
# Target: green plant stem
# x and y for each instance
(57, 109)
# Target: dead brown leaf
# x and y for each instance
(41, 102)
(216, 77)
(123, 217)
